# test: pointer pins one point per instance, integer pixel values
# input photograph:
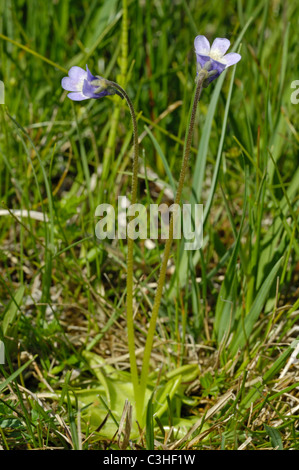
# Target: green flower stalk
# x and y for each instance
(157, 301)
(83, 85)
(130, 246)
(211, 62)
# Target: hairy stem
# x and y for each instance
(162, 274)
(130, 283)
(110, 147)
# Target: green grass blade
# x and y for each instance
(243, 332)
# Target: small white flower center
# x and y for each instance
(216, 55)
(80, 83)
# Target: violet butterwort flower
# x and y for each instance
(213, 59)
(83, 85)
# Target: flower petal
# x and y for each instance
(77, 96)
(89, 91)
(219, 66)
(71, 85)
(202, 59)
(89, 77)
(231, 59)
(202, 45)
(219, 48)
(76, 73)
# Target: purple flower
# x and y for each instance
(83, 85)
(213, 59)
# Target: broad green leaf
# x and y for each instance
(275, 437)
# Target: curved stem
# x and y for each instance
(162, 274)
(130, 284)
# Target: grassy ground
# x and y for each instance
(224, 373)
